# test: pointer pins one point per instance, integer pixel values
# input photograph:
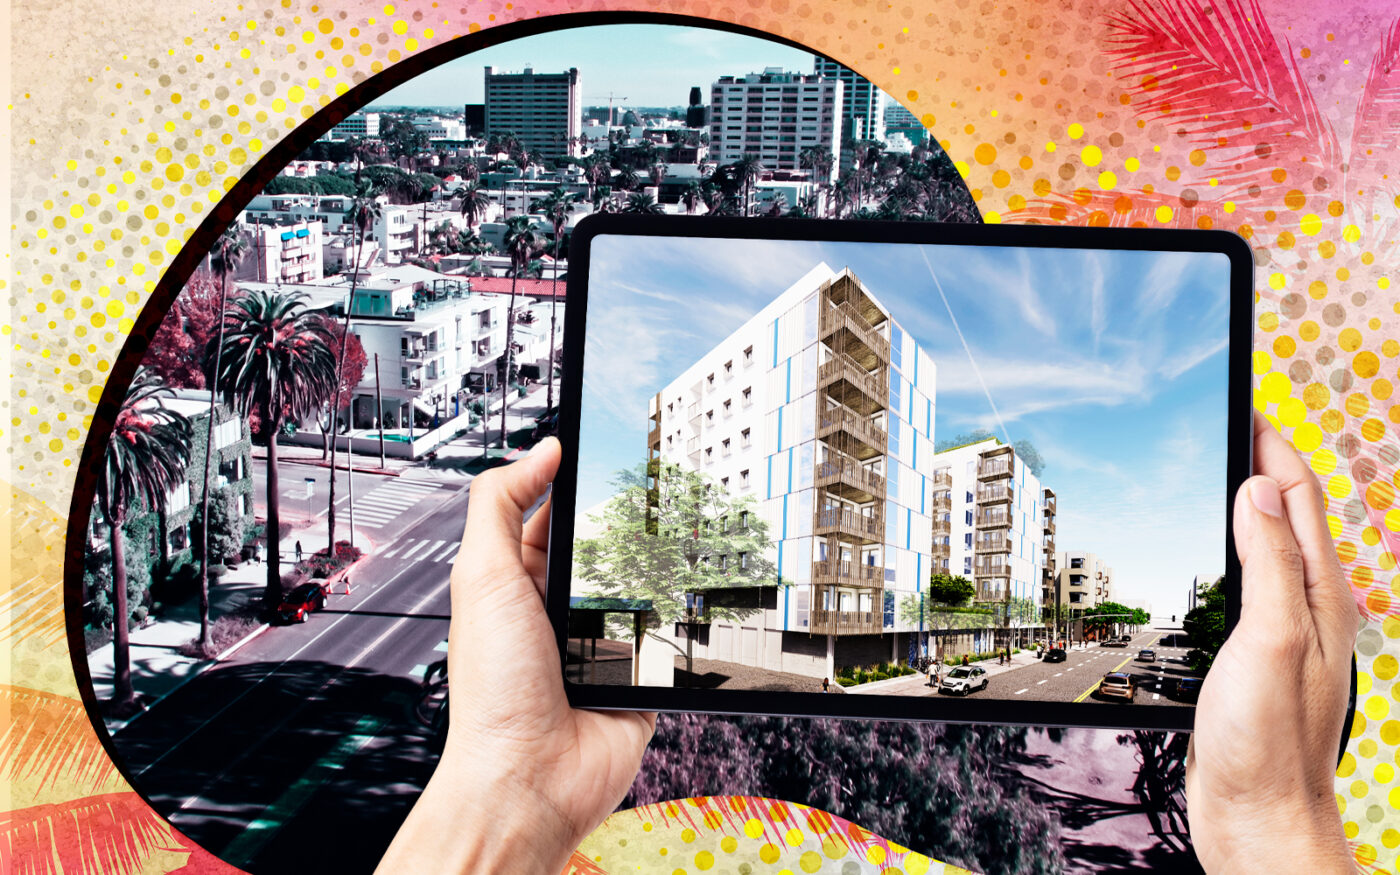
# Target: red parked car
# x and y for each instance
(302, 601)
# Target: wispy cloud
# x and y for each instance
(1164, 281)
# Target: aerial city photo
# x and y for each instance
(896, 469)
(265, 578)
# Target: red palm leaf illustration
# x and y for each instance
(1121, 209)
(31, 595)
(48, 737)
(103, 835)
(1217, 70)
(1376, 134)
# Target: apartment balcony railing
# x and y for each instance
(992, 545)
(692, 411)
(839, 573)
(654, 436)
(995, 519)
(1049, 507)
(994, 469)
(943, 481)
(1001, 492)
(992, 589)
(834, 521)
(1050, 525)
(692, 446)
(844, 420)
(991, 569)
(846, 622)
(942, 527)
(874, 384)
(943, 501)
(941, 550)
(844, 317)
(840, 470)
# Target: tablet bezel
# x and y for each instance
(1239, 449)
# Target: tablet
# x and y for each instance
(897, 470)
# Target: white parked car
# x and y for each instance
(964, 679)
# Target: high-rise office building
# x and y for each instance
(544, 110)
(821, 408)
(862, 103)
(774, 115)
(695, 114)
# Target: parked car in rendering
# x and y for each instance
(1056, 654)
(1146, 655)
(1188, 689)
(301, 601)
(1114, 642)
(1126, 638)
(1118, 685)
(963, 680)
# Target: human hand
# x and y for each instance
(523, 777)
(1259, 771)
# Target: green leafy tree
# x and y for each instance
(224, 534)
(944, 606)
(1205, 626)
(675, 533)
(277, 360)
(145, 459)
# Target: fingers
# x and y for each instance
(1325, 587)
(534, 546)
(492, 537)
(1272, 592)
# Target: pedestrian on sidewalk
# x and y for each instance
(826, 685)
(298, 549)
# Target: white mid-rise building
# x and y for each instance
(357, 125)
(774, 115)
(821, 409)
(288, 253)
(544, 110)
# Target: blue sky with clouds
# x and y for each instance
(648, 65)
(1112, 363)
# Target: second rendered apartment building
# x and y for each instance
(821, 408)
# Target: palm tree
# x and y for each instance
(556, 205)
(602, 199)
(474, 203)
(145, 459)
(627, 179)
(642, 202)
(277, 359)
(819, 160)
(777, 205)
(690, 196)
(365, 210)
(747, 169)
(227, 253)
(657, 172)
(522, 241)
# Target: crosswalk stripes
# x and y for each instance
(386, 503)
(422, 550)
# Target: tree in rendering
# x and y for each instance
(678, 533)
(556, 206)
(224, 258)
(522, 242)
(1205, 627)
(144, 461)
(943, 607)
(276, 359)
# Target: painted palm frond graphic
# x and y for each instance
(47, 739)
(1120, 209)
(1377, 129)
(1217, 71)
(103, 835)
(31, 595)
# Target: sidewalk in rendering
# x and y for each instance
(918, 684)
(157, 666)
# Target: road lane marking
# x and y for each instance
(1038, 683)
(1156, 696)
(1071, 668)
(420, 545)
(441, 646)
(446, 552)
(1058, 673)
(1019, 692)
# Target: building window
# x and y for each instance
(744, 479)
(724, 483)
(743, 519)
(709, 417)
(743, 560)
(969, 518)
(1076, 563)
(729, 368)
(728, 406)
(744, 439)
(710, 380)
(967, 540)
(725, 447)
(709, 454)
(748, 396)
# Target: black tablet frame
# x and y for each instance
(1239, 450)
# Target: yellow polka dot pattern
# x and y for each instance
(120, 153)
(747, 834)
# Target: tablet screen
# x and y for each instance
(948, 470)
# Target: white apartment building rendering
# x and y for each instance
(1082, 580)
(774, 115)
(544, 110)
(820, 408)
(993, 523)
(862, 102)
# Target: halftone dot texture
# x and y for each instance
(1273, 121)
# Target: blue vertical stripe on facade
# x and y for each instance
(923, 493)
(785, 500)
(770, 476)
(788, 391)
(775, 343)
(918, 572)
(908, 527)
(791, 450)
(928, 418)
(779, 447)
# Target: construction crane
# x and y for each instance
(611, 97)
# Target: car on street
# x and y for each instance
(1118, 684)
(963, 680)
(301, 601)
(1056, 654)
(1114, 642)
(1146, 655)
(1126, 639)
(1188, 689)
(546, 424)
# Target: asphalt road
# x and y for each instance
(1077, 678)
(300, 753)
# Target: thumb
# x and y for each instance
(496, 509)
(1272, 592)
